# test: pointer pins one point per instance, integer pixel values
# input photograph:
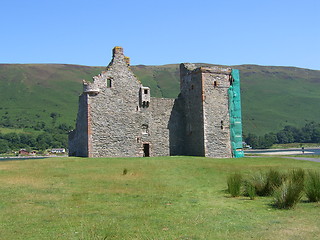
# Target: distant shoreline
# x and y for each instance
(29, 157)
(286, 151)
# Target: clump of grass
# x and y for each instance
(266, 183)
(312, 187)
(289, 193)
(274, 180)
(298, 175)
(234, 184)
(259, 182)
(249, 189)
(263, 184)
(125, 171)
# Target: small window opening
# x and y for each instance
(138, 140)
(145, 104)
(222, 125)
(109, 83)
(146, 91)
(192, 87)
(145, 129)
(215, 84)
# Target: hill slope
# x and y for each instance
(272, 97)
(30, 93)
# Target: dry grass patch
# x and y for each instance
(6, 167)
(131, 176)
(28, 181)
(297, 231)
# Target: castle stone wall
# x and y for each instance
(118, 118)
(216, 82)
(191, 92)
(114, 111)
(78, 138)
(118, 124)
(177, 128)
(156, 118)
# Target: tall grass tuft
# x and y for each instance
(249, 188)
(274, 179)
(298, 175)
(234, 184)
(312, 187)
(266, 183)
(263, 184)
(290, 191)
(259, 182)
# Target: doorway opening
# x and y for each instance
(146, 150)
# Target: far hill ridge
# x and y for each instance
(272, 97)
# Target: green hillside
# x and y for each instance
(272, 97)
(29, 94)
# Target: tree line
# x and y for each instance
(55, 137)
(309, 133)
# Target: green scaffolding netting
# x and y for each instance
(235, 115)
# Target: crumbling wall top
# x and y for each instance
(117, 50)
(215, 69)
(190, 68)
(119, 58)
(90, 87)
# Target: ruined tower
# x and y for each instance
(118, 118)
(205, 95)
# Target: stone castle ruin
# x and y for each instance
(117, 117)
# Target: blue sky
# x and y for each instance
(273, 32)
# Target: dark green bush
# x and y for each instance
(312, 187)
(234, 184)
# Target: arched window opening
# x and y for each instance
(109, 83)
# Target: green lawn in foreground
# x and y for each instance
(159, 198)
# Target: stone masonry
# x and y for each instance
(118, 118)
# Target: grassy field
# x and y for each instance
(158, 198)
